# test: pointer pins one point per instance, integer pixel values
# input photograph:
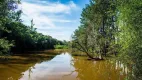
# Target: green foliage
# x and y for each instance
(96, 32)
(5, 46)
(130, 22)
(61, 47)
(24, 37)
(112, 27)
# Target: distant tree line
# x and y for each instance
(15, 36)
(112, 27)
(65, 45)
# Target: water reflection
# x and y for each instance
(13, 68)
(57, 68)
(98, 70)
(65, 67)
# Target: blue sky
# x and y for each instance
(57, 18)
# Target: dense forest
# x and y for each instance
(15, 36)
(112, 27)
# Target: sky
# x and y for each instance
(57, 18)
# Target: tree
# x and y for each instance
(112, 26)
(16, 36)
(97, 29)
(7, 12)
(130, 22)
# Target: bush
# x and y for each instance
(5, 46)
(61, 47)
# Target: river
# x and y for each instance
(61, 66)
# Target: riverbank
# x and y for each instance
(31, 55)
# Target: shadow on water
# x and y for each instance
(50, 65)
(13, 67)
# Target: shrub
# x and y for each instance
(5, 46)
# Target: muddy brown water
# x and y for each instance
(62, 66)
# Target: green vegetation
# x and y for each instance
(112, 27)
(15, 36)
(108, 27)
(61, 47)
(96, 34)
(5, 46)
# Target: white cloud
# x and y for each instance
(46, 14)
(50, 8)
(62, 20)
